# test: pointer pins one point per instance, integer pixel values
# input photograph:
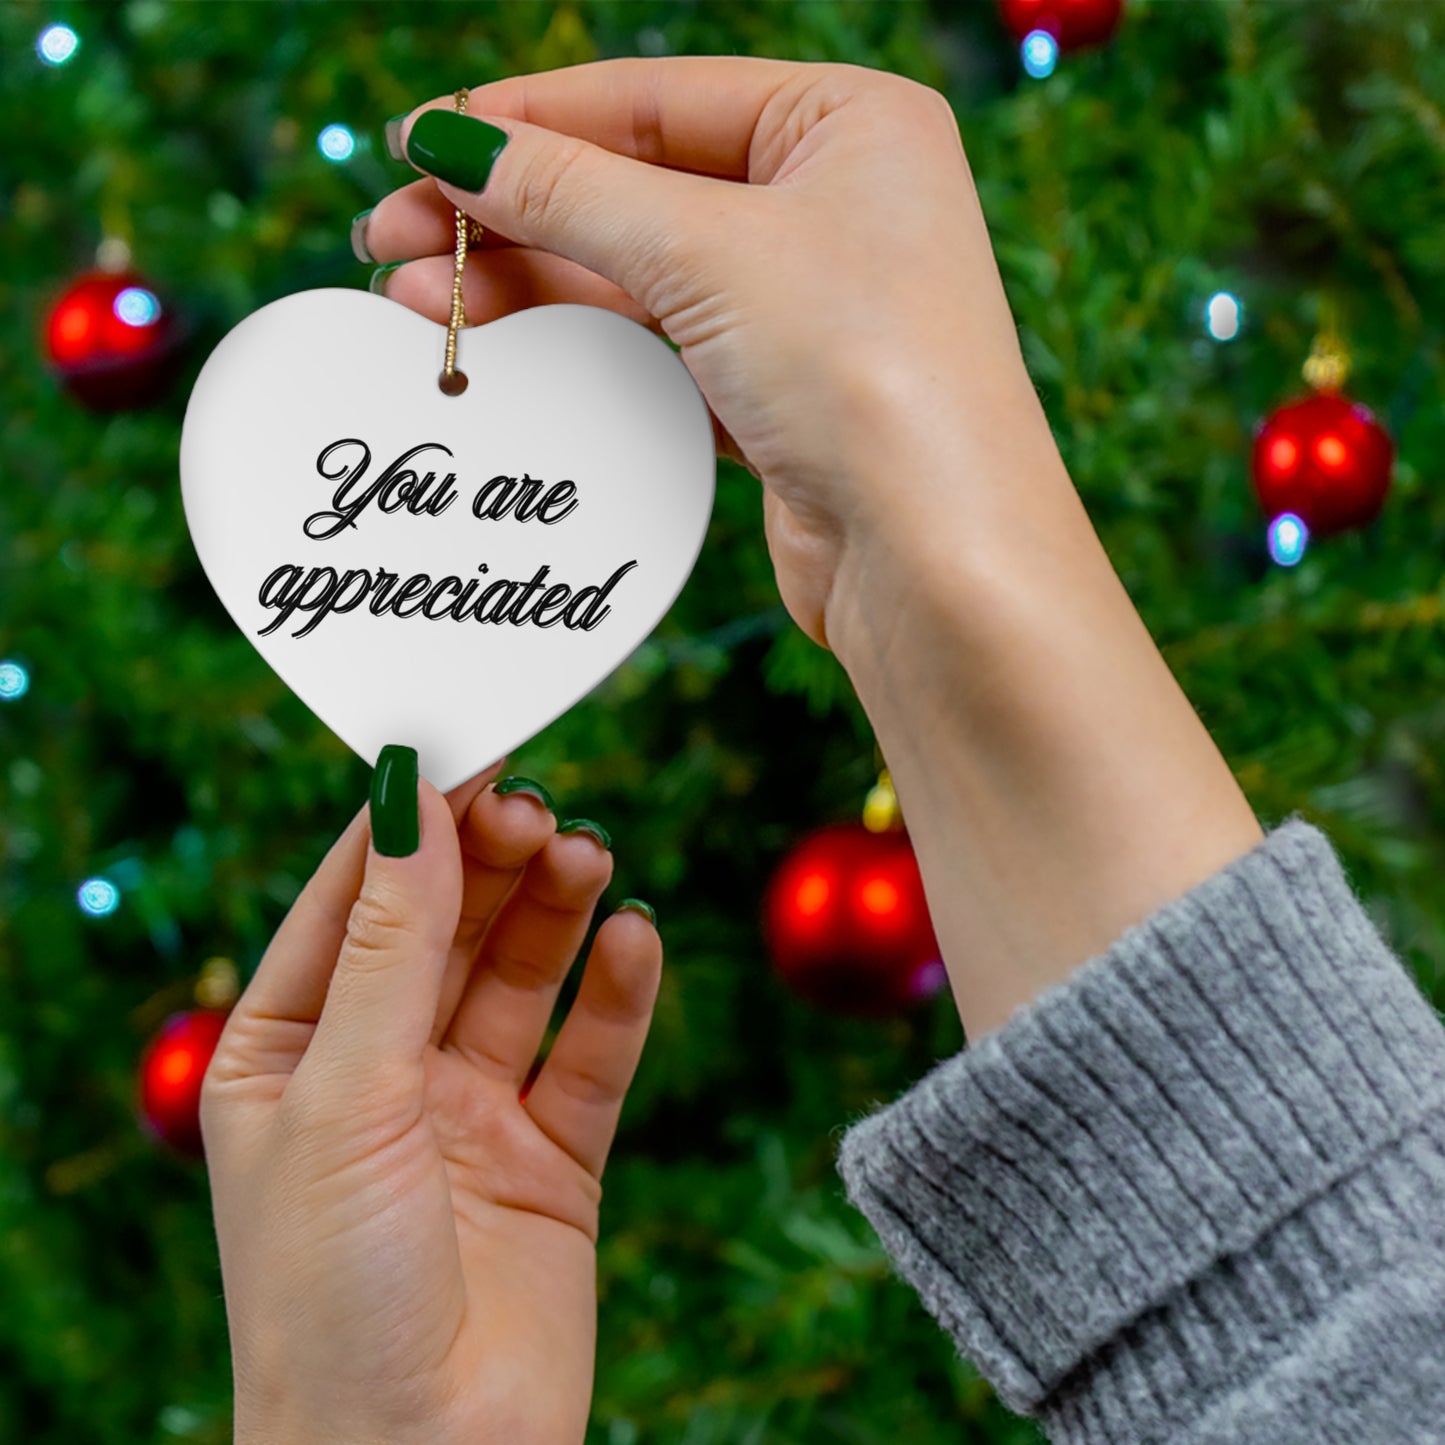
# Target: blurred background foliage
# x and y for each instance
(1293, 154)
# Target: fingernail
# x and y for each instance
(455, 148)
(395, 813)
(393, 136)
(359, 248)
(379, 277)
(636, 905)
(526, 785)
(586, 825)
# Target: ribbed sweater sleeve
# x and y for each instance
(1197, 1191)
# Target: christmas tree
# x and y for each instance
(1180, 215)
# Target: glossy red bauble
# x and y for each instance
(112, 341)
(847, 923)
(1324, 458)
(1073, 23)
(171, 1071)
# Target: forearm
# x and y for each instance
(1056, 782)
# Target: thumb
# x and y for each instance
(382, 999)
(623, 219)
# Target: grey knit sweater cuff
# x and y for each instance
(1127, 1200)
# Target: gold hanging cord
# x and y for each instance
(452, 381)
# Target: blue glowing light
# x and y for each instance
(14, 681)
(1040, 52)
(1288, 537)
(57, 44)
(1223, 316)
(336, 143)
(137, 307)
(98, 897)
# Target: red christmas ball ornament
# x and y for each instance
(171, 1071)
(847, 923)
(1326, 459)
(1072, 23)
(111, 341)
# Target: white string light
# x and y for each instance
(57, 44)
(1223, 316)
(1288, 538)
(98, 897)
(1040, 54)
(336, 143)
(14, 681)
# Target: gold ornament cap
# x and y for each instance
(881, 813)
(1328, 365)
(219, 985)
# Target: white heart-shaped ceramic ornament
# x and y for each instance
(447, 572)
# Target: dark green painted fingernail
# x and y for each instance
(636, 905)
(393, 136)
(586, 825)
(526, 785)
(395, 813)
(455, 148)
(359, 248)
(377, 284)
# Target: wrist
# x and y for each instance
(296, 1421)
(1056, 782)
(961, 496)
(261, 1429)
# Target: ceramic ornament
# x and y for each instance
(446, 572)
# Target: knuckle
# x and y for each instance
(587, 1085)
(224, 1084)
(520, 970)
(542, 187)
(210, 1102)
(225, 1068)
(213, 1090)
(374, 933)
(648, 141)
(925, 102)
(844, 76)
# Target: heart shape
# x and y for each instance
(555, 509)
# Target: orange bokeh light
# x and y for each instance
(1331, 451)
(72, 331)
(176, 1067)
(879, 897)
(1283, 454)
(812, 895)
(73, 324)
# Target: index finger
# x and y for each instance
(696, 113)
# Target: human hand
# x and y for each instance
(810, 238)
(408, 1247)
(843, 297)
